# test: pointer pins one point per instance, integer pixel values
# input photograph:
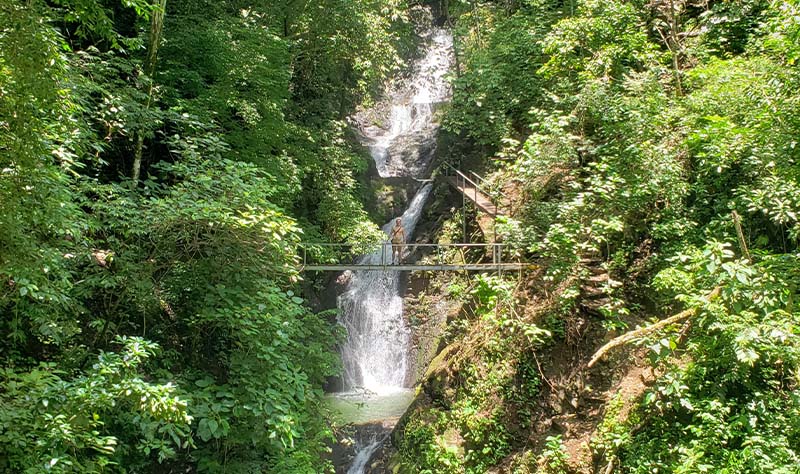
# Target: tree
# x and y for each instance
(154, 41)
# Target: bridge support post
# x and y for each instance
(463, 209)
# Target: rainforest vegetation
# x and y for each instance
(649, 149)
(160, 161)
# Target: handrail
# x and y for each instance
(478, 177)
(473, 183)
(490, 194)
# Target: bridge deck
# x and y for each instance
(416, 257)
(448, 267)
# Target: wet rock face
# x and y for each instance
(439, 11)
(427, 315)
(411, 156)
(392, 196)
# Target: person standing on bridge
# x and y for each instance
(398, 238)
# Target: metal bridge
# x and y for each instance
(492, 257)
(473, 188)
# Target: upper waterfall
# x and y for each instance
(403, 143)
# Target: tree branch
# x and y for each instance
(638, 333)
(156, 26)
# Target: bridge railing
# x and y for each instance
(380, 254)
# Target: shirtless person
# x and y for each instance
(398, 238)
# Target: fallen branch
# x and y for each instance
(541, 372)
(638, 333)
(737, 223)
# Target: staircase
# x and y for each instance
(472, 190)
(596, 285)
(481, 200)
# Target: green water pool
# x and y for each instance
(359, 407)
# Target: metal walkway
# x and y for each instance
(493, 257)
(475, 190)
(416, 257)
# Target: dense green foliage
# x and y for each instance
(475, 427)
(158, 167)
(160, 162)
(660, 139)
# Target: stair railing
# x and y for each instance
(462, 180)
(491, 194)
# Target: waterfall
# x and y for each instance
(402, 143)
(364, 454)
(375, 351)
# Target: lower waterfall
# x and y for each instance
(376, 350)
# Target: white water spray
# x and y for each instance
(364, 455)
(404, 145)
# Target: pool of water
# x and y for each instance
(365, 407)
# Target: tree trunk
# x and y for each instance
(156, 27)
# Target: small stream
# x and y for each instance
(375, 355)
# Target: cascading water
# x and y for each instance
(375, 353)
(364, 454)
(405, 146)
